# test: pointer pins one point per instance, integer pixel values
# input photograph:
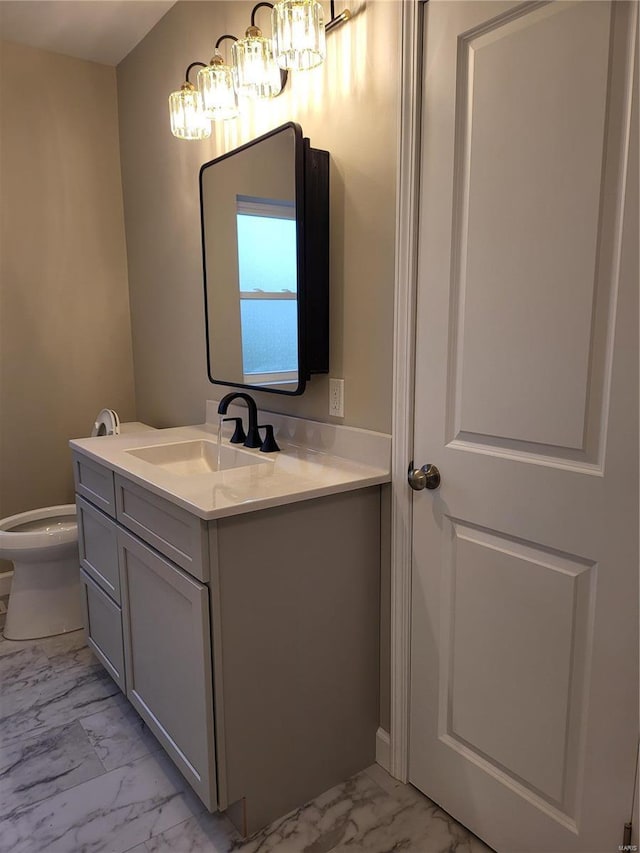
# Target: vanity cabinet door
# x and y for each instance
(168, 659)
(103, 628)
(98, 546)
(170, 529)
(95, 483)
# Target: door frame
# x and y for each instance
(404, 337)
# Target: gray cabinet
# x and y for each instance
(295, 603)
(146, 619)
(98, 547)
(103, 626)
(95, 483)
(165, 615)
(248, 644)
(171, 530)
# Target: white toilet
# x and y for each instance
(45, 591)
(43, 546)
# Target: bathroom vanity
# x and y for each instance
(238, 608)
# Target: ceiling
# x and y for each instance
(98, 30)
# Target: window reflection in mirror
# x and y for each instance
(267, 279)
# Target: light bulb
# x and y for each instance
(298, 34)
(256, 73)
(215, 83)
(188, 120)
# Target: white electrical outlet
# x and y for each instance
(336, 398)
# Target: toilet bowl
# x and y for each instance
(43, 546)
(45, 592)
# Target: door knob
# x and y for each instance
(427, 477)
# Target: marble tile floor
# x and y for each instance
(80, 773)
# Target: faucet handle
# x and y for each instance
(238, 436)
(269, 445)
(253, 437)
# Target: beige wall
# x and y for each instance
(65, 335)
(347, 106)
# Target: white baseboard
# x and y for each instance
(5, 583)
(383, 749)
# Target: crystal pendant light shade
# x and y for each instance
(259, 66)
(298, 34)
(256, 73)
(188, 120)
(215, 84)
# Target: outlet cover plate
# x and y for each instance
(336, 398)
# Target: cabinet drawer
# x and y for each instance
(170, 529)
(167, 644)
(103, 626)
(98, 546)
(95, 483)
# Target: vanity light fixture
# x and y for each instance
(259, 66)
(298, 34)
(188, 120)
(215, 84)
(336, 20)
(257, 75)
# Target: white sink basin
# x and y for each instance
(195, 457)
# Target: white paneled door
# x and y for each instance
(524, 646)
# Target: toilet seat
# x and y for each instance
(107, 423)
(53, 526)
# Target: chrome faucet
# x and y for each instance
(253, 436)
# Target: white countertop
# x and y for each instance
(296, 473)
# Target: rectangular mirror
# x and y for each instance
(265, 244)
